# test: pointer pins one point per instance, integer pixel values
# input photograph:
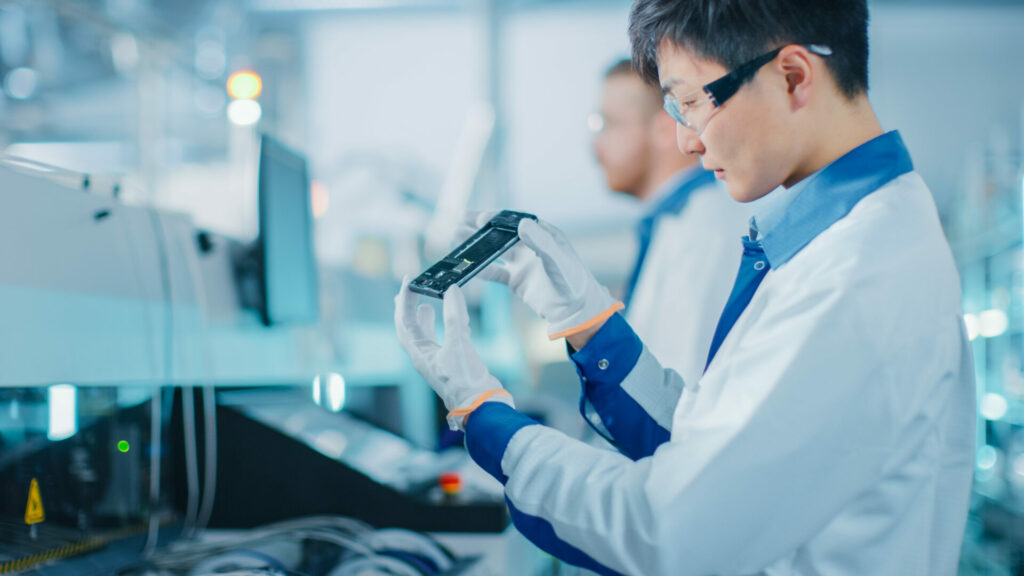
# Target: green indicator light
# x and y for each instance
(123, 446)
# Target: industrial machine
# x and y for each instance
(169, 406)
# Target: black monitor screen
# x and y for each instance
(286, 236)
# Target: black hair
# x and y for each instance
(621, 66)
(732, 32)
(625, 67)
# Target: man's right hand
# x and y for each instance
(545, 272)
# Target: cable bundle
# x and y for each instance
(312, 546)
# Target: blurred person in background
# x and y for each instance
(687, 250)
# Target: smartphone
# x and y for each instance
(470, 257)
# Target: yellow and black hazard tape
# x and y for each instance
(55, 554)
(73, 549)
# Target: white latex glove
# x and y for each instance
(453, 370)
(544, 271)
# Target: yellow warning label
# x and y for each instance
(34, 510)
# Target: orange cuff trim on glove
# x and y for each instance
(589, 323)
(463, 412)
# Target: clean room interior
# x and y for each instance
(208, 207)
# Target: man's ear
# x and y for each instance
(794, 63)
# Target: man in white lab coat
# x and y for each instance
(832, 431)
(687, 250)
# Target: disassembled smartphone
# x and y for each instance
(470, 257)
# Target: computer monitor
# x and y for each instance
(285, 241)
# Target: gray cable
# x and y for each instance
(410, 541)
(183, 555)
(210, 431)
(362, 565)
(188, 414)
(349, 526)
(209, 399)
(156, 424)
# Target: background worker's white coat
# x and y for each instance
(832, 434)
(686, 279)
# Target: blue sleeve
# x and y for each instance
(489, 429)
(603, 364)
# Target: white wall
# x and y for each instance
(946, 77)
(397, 83)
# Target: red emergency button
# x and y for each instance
(451, 483)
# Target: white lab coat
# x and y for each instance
(832, 434)
(686, 279)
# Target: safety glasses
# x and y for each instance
(692, 111)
